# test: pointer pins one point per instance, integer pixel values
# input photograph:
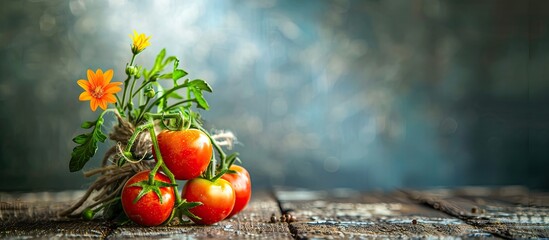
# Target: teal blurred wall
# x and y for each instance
(358, 94)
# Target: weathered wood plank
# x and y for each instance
(349, 214)
(252, 223)
(493, 210)
(31, 215)
(35, 215)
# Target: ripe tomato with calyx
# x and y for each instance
(186, 153)
(217, 198)
(242, 185)
(149, 210)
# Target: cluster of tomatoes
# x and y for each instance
(187, 154)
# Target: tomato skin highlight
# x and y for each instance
(147, 211)
(217, 199)
(242, 185)
(186, 153)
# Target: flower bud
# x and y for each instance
(138, 72)
(131, 70)
(149, 91)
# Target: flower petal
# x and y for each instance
(109, 98)
(91, 78)
(84, 84)
(102, 103)
(99, 78)
(108, 76)
(93, 104)
(112, 87)
(85, 96)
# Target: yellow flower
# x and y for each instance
(140, 42)
(99, 89)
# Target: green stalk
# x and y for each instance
(135, 134)
(160, 163)
(172, 179)
(222, 154)
(139, 89)
(180, 102)
(163, 96)
(126, 83)
(131, 91)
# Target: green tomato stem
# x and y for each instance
(180, 102)
(163, 96)
(218, 148)
(160, 163)
(138, 130)
(139, 89)
(172, 179)
(159, 160)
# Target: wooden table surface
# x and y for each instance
(469, 212)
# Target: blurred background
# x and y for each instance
(321, 94)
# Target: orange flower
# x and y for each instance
(99, 89)
(140, 42)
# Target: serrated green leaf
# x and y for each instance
(178, 73)
(87, 147)
(200, 100)
(87, 124)
(81, 139)
(201, 84)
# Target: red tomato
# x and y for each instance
(186, 153)
(217, 199)
(147, 211)
(242, 185)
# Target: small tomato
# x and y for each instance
(217, 199)
(242, 185)
(147, 210)
(186, 153)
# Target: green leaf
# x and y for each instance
(169, 60)
(159, 64)
(201, 84)
(178, 73)
(87, 124)
(174, 95)
(200, 100)
(87, 147)
(81, 139)
(197, 86)
(165, 76)
(159, 58)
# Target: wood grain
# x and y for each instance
(470, 212)
(326, 214)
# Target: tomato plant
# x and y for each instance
(186, 153)
(242, 185)
(217, 198)
(146, 204)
